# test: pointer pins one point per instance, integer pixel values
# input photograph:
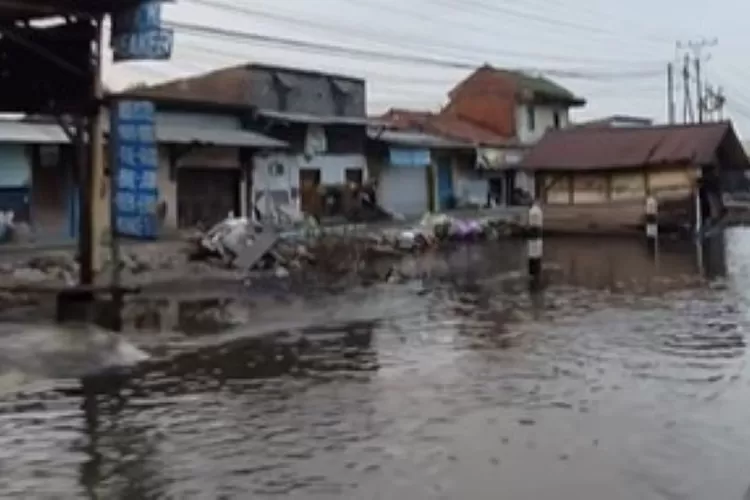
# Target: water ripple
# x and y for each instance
(626, 370)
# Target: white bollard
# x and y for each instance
(652, 222)
(535, 246)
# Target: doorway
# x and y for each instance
(309, 182)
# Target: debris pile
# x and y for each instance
(241, 244)
(238, 249)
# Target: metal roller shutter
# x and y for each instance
(403, 190)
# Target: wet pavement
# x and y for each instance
(626, 379)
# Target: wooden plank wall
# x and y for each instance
(613, 202)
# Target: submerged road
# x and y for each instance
(628, 379)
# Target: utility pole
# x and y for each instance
(687, 105)
(696, 47)
(92, 202)
(670, 94)
(700, 101)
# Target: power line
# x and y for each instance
(455, 21)
(379, 36)
(629, 25)
(396, 77)
(530, 16)
(350, 52)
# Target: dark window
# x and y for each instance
(556, 119)
(531, 117)
(339, 103)
(354, 175)
(283, 84)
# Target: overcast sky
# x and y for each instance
(618, 50)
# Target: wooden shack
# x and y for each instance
(596, 179)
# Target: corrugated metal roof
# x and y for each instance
(167, 133)
(416, 139)
(309, 118)
(20, 132)
(631, 147)
(215, 137)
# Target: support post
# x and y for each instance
(117, 300)
(652, 223)
(91, 171)
(535, 246)
(698, 209)
(98, 182)
(86, 271)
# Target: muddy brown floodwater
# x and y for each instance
(627, 379)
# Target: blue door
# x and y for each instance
(445, 184)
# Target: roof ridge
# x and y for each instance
(661, 126)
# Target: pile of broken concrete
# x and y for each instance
(237, 249)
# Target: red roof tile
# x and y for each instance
(445, 125)
(582, 148)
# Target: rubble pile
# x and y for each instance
(238, 249)
(231, 243)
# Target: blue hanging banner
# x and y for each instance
(409, 157)
(137, 34)
(135, 161)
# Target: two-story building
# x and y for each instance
(501, 113)
(321, 117)
(518, 106)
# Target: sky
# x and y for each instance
(612, 53)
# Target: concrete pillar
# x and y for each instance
(652, 223)
(535, 246)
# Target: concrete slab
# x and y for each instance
(248, 256)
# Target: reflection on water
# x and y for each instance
(625, 379)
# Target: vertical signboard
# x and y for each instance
(135, 161)
(137, 34)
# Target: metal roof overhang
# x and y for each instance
(31, 9)
(313, 119)
(416, 140)
(17, 132)
(216, 137)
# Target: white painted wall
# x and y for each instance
(544, 120)
(332, 171)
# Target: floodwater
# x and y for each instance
(626, 379)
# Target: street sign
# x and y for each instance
(137, 34)
(154, 45)
(135, 161)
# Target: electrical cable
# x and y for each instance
(401, 39)
(329, 49)
(464, 5)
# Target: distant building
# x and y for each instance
(617, 121)
(501, 113)
(320, 116)
(513, 104)
(419, 171)
(597, 178)
(456, 150)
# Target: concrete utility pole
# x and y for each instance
(697, 47)
(700, 101)
(687, 104)
(670, 94)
